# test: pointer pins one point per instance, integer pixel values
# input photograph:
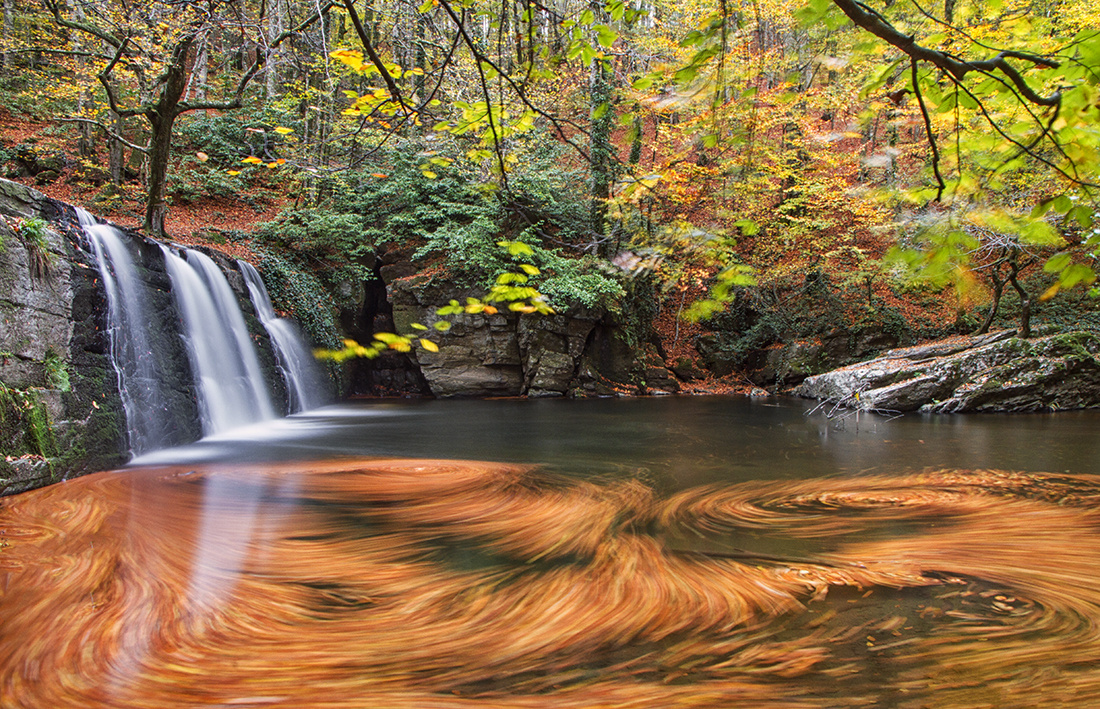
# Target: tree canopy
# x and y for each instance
(717, 134)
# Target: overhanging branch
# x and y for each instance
(870, 20)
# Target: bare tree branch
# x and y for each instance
(928, 129)
(107, 129)
(372, 54)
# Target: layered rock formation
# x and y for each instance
(64, 413)
(994, 372)
(579, 353)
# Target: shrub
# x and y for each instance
(222, 136)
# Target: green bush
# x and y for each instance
(446, 217)
(35, 237)
(222, 136)
(332, 241)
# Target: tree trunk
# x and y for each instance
(271, 64)
(116, 156)
(201, 73)
(420, 82)
(161, 118)
(160, 145)
(998, 290)
(5, 57)
(1025, 300)
(600, 150)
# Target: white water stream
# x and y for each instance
(305, 385)
(230, 385)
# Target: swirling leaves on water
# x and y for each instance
(422, 583)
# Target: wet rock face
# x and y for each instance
(579, 353)
(52, 348)
(35, 310)
(996, 372)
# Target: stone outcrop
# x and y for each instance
(994, 372)
(53, 354)
(576, 354)
(787, 364)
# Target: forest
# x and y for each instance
(341, 345)
(776, 170)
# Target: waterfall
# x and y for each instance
(230, 386)
(304, 382)
(141, 383)
(182, 341)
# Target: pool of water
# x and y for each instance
(702, 552)
(682, 441)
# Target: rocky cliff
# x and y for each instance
(61, 410)
(577, 353)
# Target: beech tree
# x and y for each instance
(1004, 85)
(149, 55)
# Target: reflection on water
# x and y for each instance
(680, 441)
(695, 553)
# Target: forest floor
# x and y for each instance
(190, 222)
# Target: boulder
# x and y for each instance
(994, 372)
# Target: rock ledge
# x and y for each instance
(997, 372)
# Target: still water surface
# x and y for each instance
(682, 441)
(702, 552)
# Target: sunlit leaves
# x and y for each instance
(516, 248)
(1069, 274)
(735, 276)
(879, 78)
(821, 12)
(605, 36)
(350, 57)
(510, 290)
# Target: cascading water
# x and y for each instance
(231, 389)
(158, 392)
(140, 380)
(306, 387)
